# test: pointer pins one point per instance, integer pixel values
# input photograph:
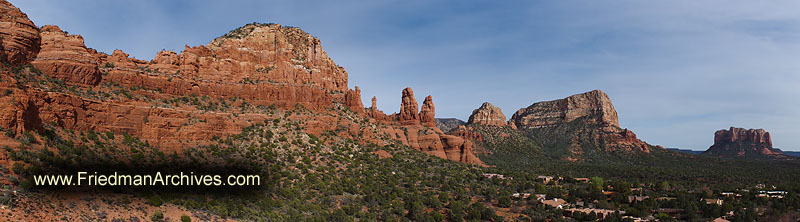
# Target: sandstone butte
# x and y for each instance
(487, 114)
(261, 64)
(593, 108)
(740, 142)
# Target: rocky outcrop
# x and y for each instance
(408, 108)
(65, 57)
(427, 114)
(447, 124)
(268, 53)
(19, 37)
(376, 114)
(582, 121)
(740, 142)
(418, 130)
(173, 101)
(595, 106)
(487, 114)
(267, 64)
(353, 100)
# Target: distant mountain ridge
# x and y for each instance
(686, 151)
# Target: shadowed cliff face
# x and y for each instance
(743, 143)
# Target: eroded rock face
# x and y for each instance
(487, 114)
(408, 108)
(740, 142)
(65, 57)
(266, 63)
(427, 115)
(19, 37)
(266, 52)
(595, 105)
(587, 116)
(353, 100)
(257, 64)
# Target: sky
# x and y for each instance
(676, 71)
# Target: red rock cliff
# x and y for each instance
(65, 57)
(19, 37)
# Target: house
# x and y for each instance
(635, 219)
(772, 194)
(713, 201)
(730, 194)
(582, 180)
(521, 195)
(555, 202)
(544, 179)
(498, 176)
(541, 197)
(631, 199)
(601, 213)
(720, 219)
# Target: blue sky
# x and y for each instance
(676, 71)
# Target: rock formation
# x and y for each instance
(19, 37)
(65, 57)
(595, 106)
(739, 142)
(173, 101)
(584, 117)
(418, 130)
(376, 114)
(427, 114)
(487, 114)
(353, 100)
(267, 64)
(408, 108)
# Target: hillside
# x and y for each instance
(266, 101)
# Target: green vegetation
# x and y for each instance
(157, 216)
(243, 31)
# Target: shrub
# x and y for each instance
(18, 168)
(155, 200)
(157, 216)
(185, 218)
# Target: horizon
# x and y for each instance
(675, 72)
